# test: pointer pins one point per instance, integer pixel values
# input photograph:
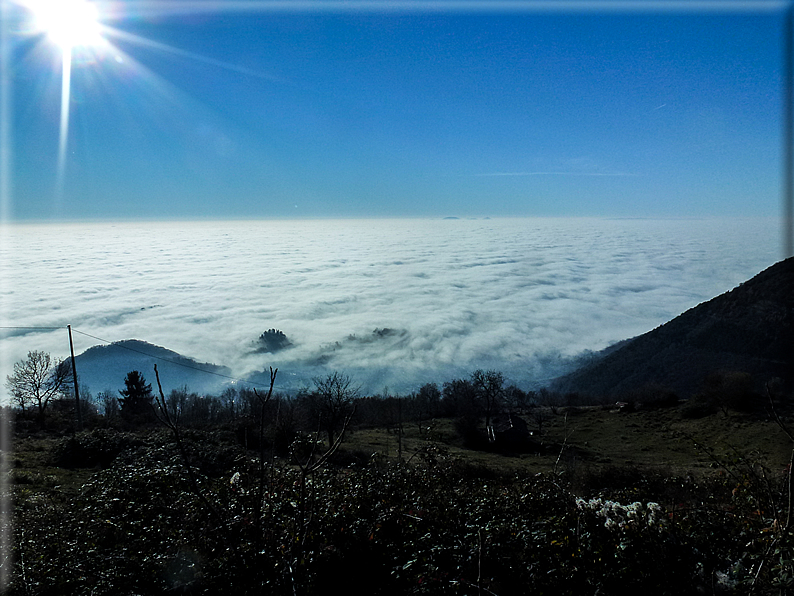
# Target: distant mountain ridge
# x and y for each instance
(103, 368)
(748, 329)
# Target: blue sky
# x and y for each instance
(372, 110)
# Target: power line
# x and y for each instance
(47, 328)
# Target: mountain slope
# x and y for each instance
(749, 329)
(104, 368)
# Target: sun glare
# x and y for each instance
(67, 23)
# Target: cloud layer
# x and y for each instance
(519, 295)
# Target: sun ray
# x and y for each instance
(144, 42)
(67, 24)
(63, 135)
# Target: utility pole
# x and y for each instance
(399, 429)
(76, 388)
(788, 132)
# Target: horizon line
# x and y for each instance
(232, 219)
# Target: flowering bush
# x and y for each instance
(624, 518)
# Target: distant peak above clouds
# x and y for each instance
(104, 367)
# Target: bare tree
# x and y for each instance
(37, 381)
(109, 404)
(489, 388)
(334, 400)
(428, 402)
(169, 418)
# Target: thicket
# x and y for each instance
(160, 518)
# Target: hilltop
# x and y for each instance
(104, 367)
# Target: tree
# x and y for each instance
(37, 381)
(136, 398)
(273, 340)
(458, 399)
(489, 388)
(518, 400)
(428, 400)
(333, 396)
(472, 399)
(229, 399)
(177, 402)
(728, 390)
(108, 403)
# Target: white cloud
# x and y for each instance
(518, 295)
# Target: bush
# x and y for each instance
(654, 397)
(725, 391)
(87, 449)
(468, 429)
(148, 524)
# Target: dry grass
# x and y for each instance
(573, 439)
(660, 440)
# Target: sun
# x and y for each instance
(67, 23)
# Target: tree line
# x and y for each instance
(40, 384)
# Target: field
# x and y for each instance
(604, 500)
(662, 440)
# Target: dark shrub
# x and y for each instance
(725, 391)
(351, 457)
(468, 429)
(654, 397)
(86, 449)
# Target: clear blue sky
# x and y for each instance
(208, 112)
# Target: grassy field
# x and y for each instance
(576, 440)
(663, 440)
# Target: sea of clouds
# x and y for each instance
(529, 297)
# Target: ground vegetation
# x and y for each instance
(249, 492)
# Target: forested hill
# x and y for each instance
(104, 367)
(749, 329)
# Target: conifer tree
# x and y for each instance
(136, 398)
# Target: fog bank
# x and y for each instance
(392, 302)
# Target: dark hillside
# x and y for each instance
(749, 329)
